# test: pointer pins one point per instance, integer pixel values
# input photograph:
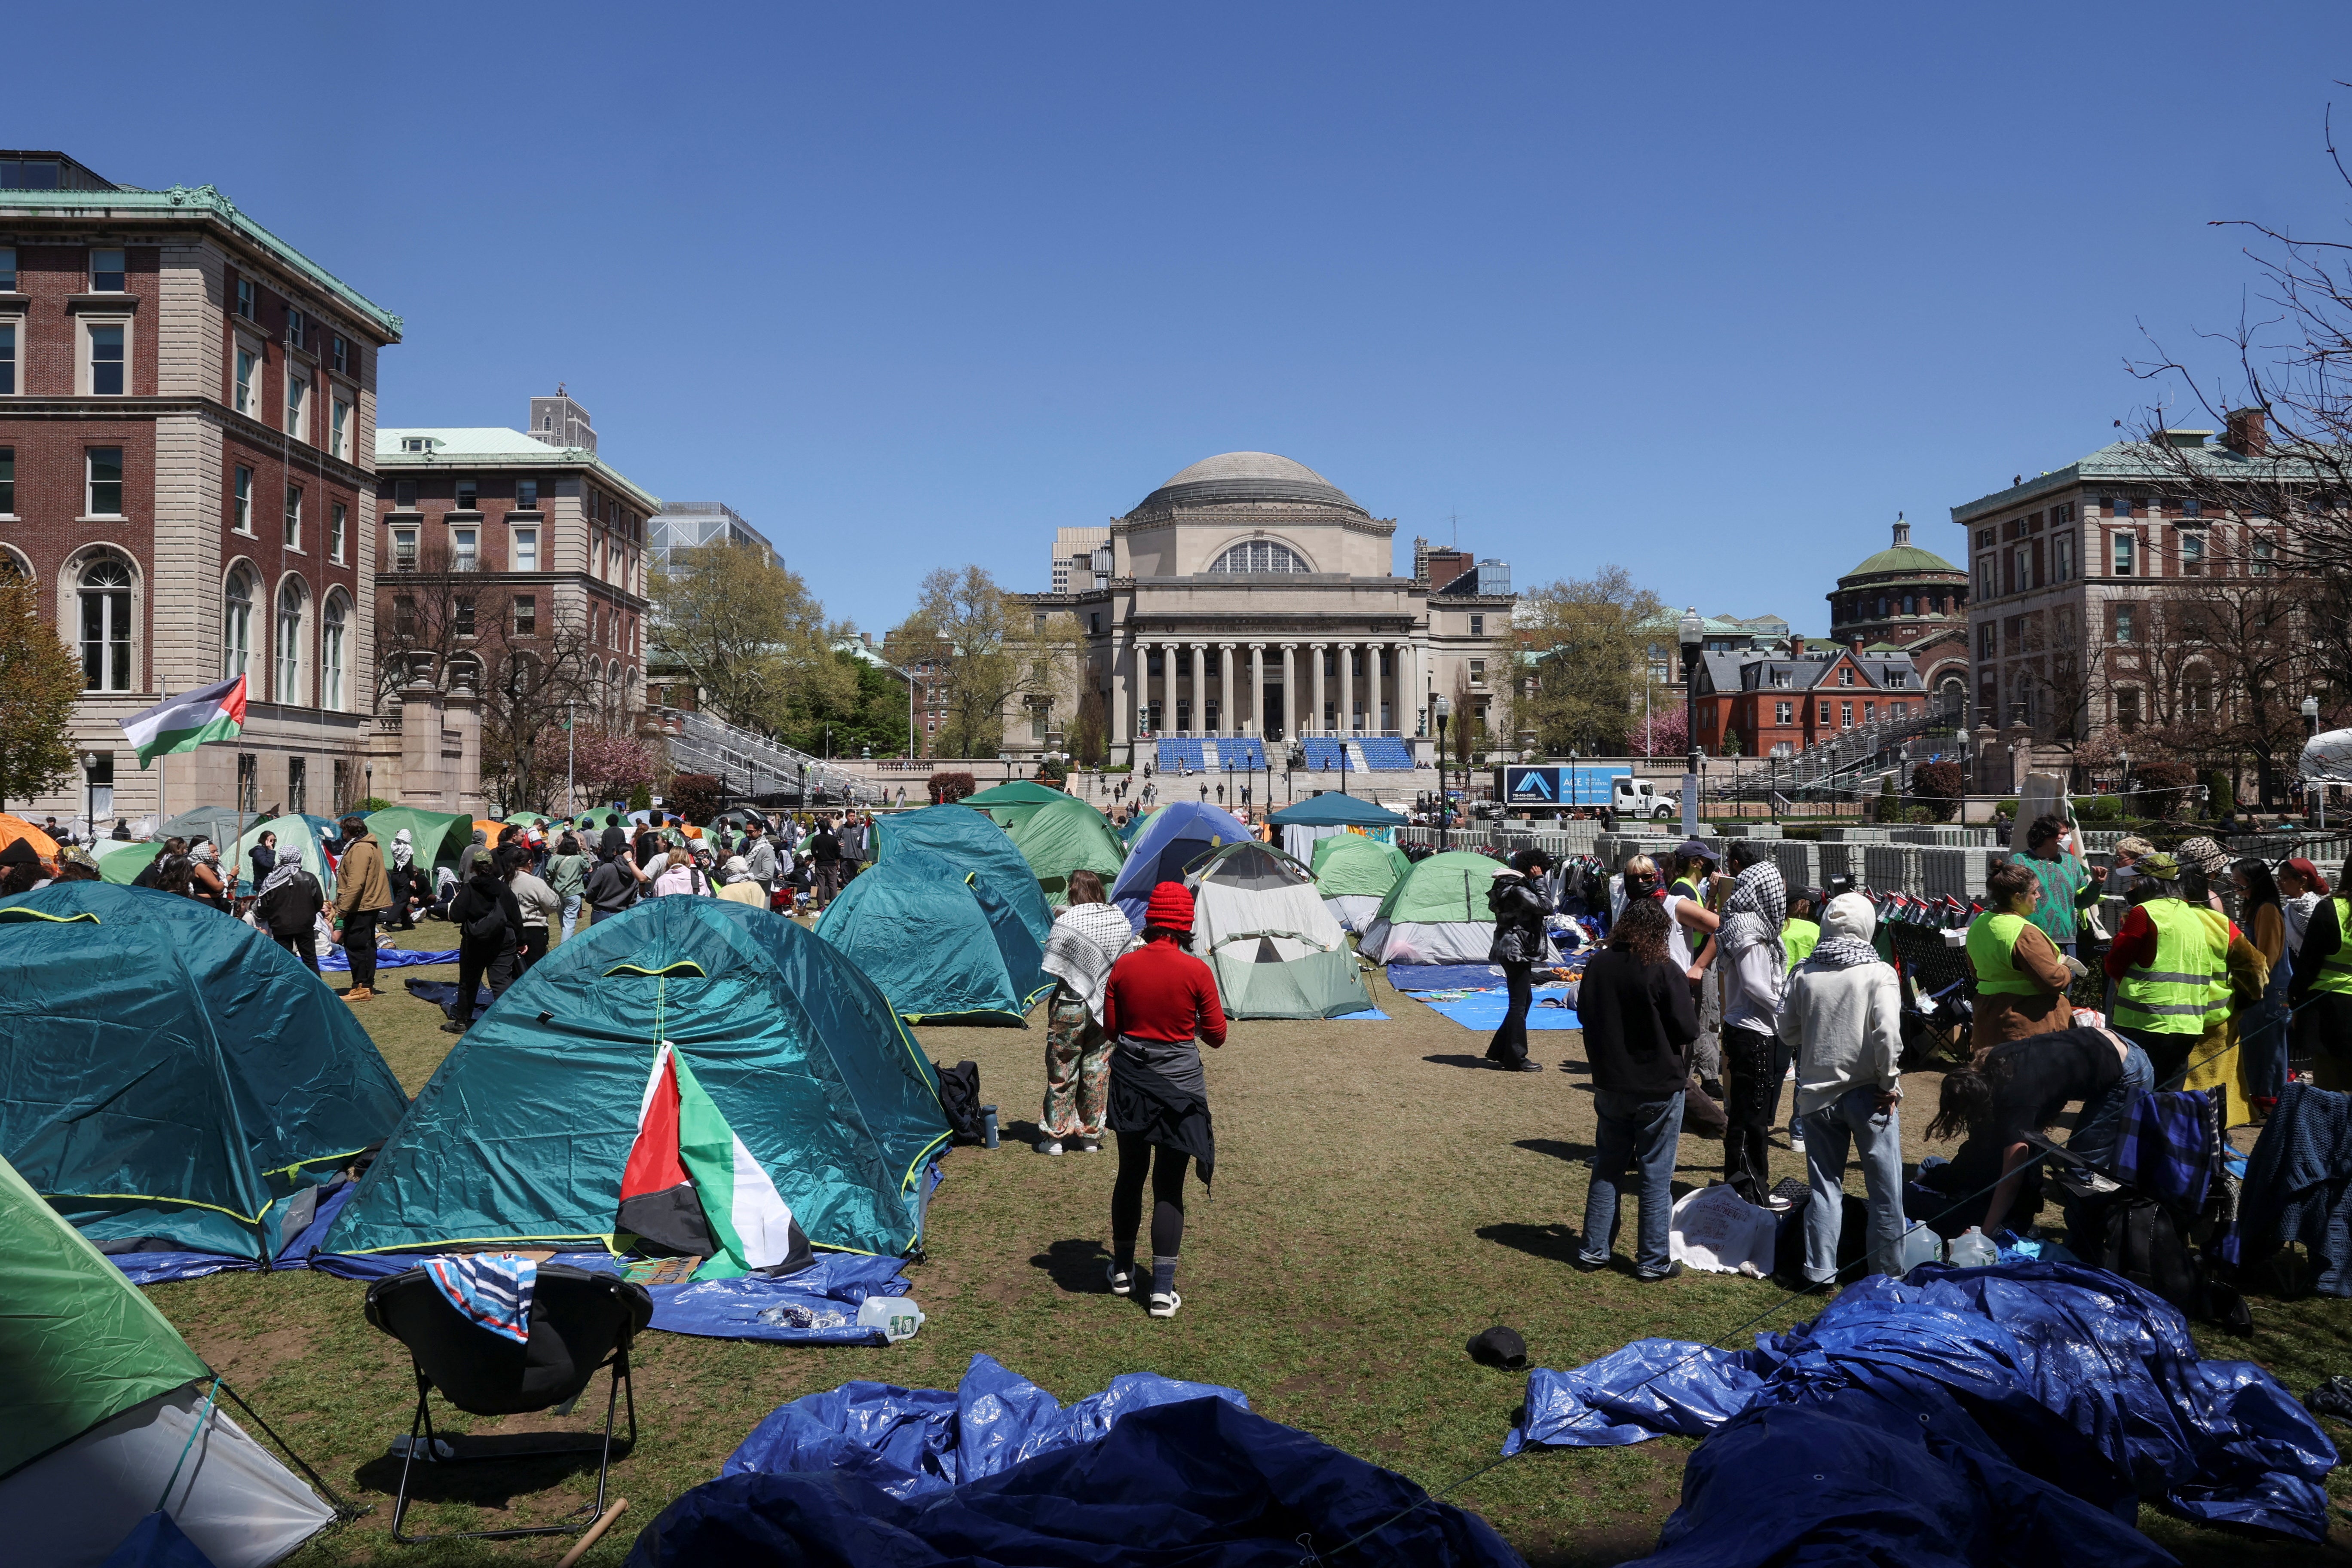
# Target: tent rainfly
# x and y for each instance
(938, 939)
(1275, 950)
(973, 842)
(1066, 836)
(438, 836)
(1436, 913)
(1354, 874)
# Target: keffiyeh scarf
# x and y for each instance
(288, 866)
(403, 850)
(1841, 952)
(1086, 941)
(1760, 896)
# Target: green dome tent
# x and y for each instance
(1436, 913)
(939, 941)
(1354, 874)
(108, 1416)
(1065, 836)
(122, 863)
(295, 836)
(438, 836)
(1275, 950)
(785, 1053)
(1008, 798)
(172, 1076)
(973, 842)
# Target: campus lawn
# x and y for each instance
(1380, 1199)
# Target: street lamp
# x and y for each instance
(1693, 632)
(2311, 727)
(1445, 706)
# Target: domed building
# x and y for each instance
(1247, 601)
(1912, 599)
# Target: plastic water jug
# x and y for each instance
(1920, 1245)
(1972, 1249)
(897, 1316)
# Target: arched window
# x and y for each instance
(331, 652)
(1882, 607)
(12, 567)
(105, 592)
(291, 601)
(1259, 555)
(237, 625)
(1910, 605)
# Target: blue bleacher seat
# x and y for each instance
(1387, 754)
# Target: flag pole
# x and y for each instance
(162, 774)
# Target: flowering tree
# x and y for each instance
(606, 764)
(1662, 734)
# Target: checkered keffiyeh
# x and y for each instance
(1761, 897)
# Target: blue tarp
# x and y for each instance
(1446, 976)
(1482, 1011)
(2033, 1379)
(999, 1473)
(335, 960)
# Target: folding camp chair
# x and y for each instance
(579, 1324)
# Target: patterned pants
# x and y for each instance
(1077, 1072)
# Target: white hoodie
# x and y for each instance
(1846, 1023)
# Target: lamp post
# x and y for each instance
(1693, 632)
(1445, 706)
(2311, 729)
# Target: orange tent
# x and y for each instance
(484, 825)
(12, 828)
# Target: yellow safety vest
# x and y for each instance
(2187, 984)
(1992, 949)
(1798, 940)
(2336, 973)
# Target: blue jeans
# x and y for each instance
(1639, 1136)
(2262, 1031)
(1876, 1137)
(2098, 1128)
(571, 913)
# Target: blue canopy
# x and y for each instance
(1172, 839)
(1333, 809)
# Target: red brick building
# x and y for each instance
(1779, 703)
(188, 411)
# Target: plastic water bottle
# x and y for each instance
(897, 1316)
(988, 1126)
(1972, 1249)
(1920, 1245)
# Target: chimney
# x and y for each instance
(2248, 432)
(1796, 647)
(1902, 532)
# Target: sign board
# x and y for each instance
(1556, 784)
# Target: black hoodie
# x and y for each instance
(483, 895)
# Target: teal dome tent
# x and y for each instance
(938, 939)
(973, 842)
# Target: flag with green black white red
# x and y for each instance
(182, 723)
(691, 1187)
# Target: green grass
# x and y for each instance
(1378, 1200)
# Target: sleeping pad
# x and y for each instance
(1959, 1416)
(1150, 1471)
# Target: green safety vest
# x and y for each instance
(2335, 973)
(1798, 940)
(2186, 988)
(1992, 949)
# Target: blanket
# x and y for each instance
(491, 1289)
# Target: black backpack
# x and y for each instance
(960, 1099)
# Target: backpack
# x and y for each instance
(960, 1099)
(487, 926)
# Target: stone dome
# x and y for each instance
(1247, 479)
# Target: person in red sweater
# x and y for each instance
(1158, 1001)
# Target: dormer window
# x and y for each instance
(417, 444)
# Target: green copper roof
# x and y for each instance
(2138, 462)
(1902, 558)
(494, 446)
(199, 201)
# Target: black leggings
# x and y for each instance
(1167, 1197)
(1509, 1045)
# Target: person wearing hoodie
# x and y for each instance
(289, 905)
(611, 887)
(742, 887)
(1755, 973)
(1843, 1014)
(410, 890)
(472, 853)
(1517, 899)
(541, 905)
(489, 934)
(362, 890)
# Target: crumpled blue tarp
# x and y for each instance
(335, 960)
(1203, 1482)
(910, 1441)
(2216, 1441)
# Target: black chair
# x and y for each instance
(579, 1324)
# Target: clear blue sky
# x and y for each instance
(1709, 291)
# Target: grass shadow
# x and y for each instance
(1552, 1243)
(1076, 1266)
(1461, 1060)
(492, 1471)
(1575, 1153)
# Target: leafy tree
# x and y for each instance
(2164, 787)
(641, 798)
(43, 682)
(750, 634)
(988, 651)
(951, 787)
(2223, 799)
(698, 797)
(866, 707)
(1090, 734)
(1582, 644)
(1939, 787)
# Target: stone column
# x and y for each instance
(1289, 696)
(1315, 663)
(1257, 690)
(1346, 690)
(1121, 722)
(1372, 651)
(1200, 689)
(1226, 712)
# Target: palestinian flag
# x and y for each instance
(182, 723)
(691, 1188)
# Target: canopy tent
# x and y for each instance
(122, 863)
(781, 1051)
(1354, 874)
(1332, 809)
(1275, 950)
(295, 836)
(938, 939)
(973, 843)
(1063, 837)
(527, 819)
(105, 1404)
(438, 836)
(12, 828)
(1172, 839)
(170, 1076)
(1436, 913)
(2328, 758)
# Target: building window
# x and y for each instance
(525, 550)
(297, 404)
(416, 443)
(2061, 555)
(1477, 626)
(8, 358)
(404, 550)
(339, 430)
(461, 548)
(339, 355)
(1845, 715)
(526, 615)
(7, 268)
(1478, 672)
(2127, 709)
(1869, 711)
(469, 495)
(2116, 506)
(241, 501)
(526, 495)
(248, 299)
(105, 361)
(2200, 697)
(341, 515)
(103, 491)
(7, 481)
(331, 631)
(2192, 554)
(1845, 675)
(295, 326)
(2123, 554)
(1784, 712)
(1258, 555)
(237, 625)
(249, 782)
(2192, 507)
(403, 494)
(106, 272)
(289, 643)
(403, 615)
(293, 518)
(106, 626)
(465, 616)
(247, 368)
(2262, 555)
(298, 784)
(2122, 624)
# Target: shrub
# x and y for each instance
(367, 805)
(2163, 787)
(1052, 771)
(2106, 808)
(946, 787)
(641, 798)
(698, 797)
(1939, 787)
(2006, 810)
(2223, 800)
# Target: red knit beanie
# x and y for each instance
(1171, 907)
